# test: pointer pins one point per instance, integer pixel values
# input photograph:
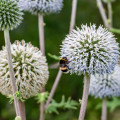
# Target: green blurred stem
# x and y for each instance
(102, 12)
(109, 5)
(114, 30)
(104, 109)
(12, 78)
(58, 77)
(42, 48)
(84, 97)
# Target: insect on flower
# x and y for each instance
(64, 64)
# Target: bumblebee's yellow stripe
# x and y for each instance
(64, 59)
(63, 68)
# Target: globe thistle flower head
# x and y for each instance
(41, 6)
(90, 50)
(10, 14)
(30, 67)
(107, 85)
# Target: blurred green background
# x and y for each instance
(57, 27)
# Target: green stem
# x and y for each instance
(114, 30)
(12, 78)
(85, 97)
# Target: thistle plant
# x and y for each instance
(10, 18)
(105, 86)
(30, 67)
(90, 50)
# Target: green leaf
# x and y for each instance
(112, 105)
(54, 57)
(55, 106)
(98, 106)
(42, 97)
(114, 30)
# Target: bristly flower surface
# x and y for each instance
(90, 50)
(30, 67)
(107, 85)
(10, 14)
(41, 6)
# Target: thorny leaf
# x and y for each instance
(54, 106)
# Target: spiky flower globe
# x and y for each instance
(90, 50)
(10, 14)
(107, 85)
(41, 6)
(30, 67)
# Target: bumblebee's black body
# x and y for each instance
(64, 64)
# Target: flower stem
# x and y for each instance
(22, 110)
(102, 12)
(12, 78)
(104, 109)
(41, 33)
(85, 97)
(72, 23)
(109, 4)
(53, 88)
(42, 48)
(73, 15)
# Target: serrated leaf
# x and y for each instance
(55, 106)
(54, 57)
(42, 97)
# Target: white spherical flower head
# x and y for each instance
(107, 85)
(90, 50)
(41, 6)
(30, 67)
(10, 14)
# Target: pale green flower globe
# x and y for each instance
(30, 67)
(10, 14)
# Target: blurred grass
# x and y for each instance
(57, 27)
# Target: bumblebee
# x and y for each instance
(64, 64)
